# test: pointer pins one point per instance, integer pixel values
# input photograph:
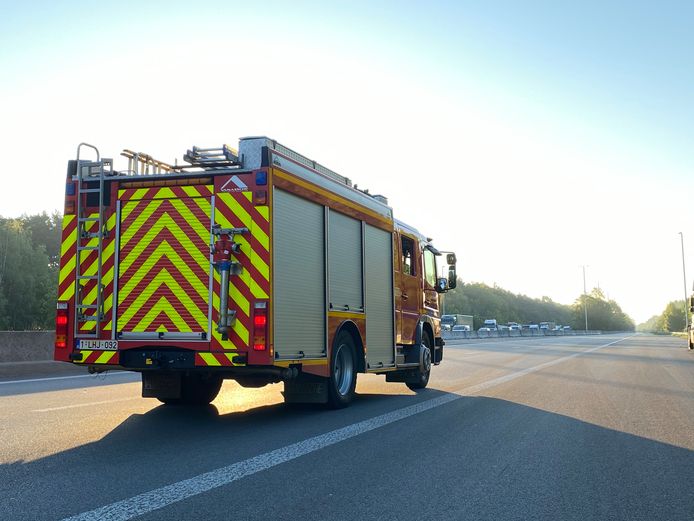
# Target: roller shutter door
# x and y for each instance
(298, 255)
(345, 263)
(380, 338)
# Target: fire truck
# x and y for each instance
(255, 264)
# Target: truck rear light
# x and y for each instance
(61, 321)
(260, 326)
(69, 207)
(260, 197)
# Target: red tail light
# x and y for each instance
(61, 321)
(260, 326)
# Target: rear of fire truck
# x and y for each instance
(165, 270)
(258, 265)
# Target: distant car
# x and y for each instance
(533, 326)
(484, 329)
(461, 328)
(567, 328)
(515, 327)
(557, 328)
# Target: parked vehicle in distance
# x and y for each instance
(484, 329)
(448, 322)
(567, 328)
(491, 324)
(461, 328)
(514, 327)
(531, 327)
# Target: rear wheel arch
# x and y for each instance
(351, 328)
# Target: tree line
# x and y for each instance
(487, 302)
(672, 319)
(29, 259)
(30, 256)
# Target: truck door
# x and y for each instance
(410, 287)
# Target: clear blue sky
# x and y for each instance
(561, 133)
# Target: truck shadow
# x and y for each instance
(506, 455)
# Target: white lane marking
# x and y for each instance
(75, 405)
(96, 377)
(175, 492)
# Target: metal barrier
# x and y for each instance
(508, 333)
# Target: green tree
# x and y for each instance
(603, 314)
(28, 279)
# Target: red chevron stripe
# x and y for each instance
(192, 263)
(253, 271)
(177, 305)
(199, 302)
(258, 219)
(69, 229)
(129, 193)
(180, 221)
(162, 319)
(180, 280)
(237, 223)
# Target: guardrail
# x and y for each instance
(508, 333)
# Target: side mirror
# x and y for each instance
(452, 277)
(441, 285)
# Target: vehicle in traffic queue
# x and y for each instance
(258, 265)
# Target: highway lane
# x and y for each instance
(550, 428)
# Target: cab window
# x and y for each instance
(408, 263)
(430, 268)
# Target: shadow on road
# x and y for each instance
(491, 459)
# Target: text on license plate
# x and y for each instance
(106, 345)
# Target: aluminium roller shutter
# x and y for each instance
(298, 256)
(344, 263)
(380, 337)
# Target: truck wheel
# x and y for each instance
(343, 372)
(423, 374)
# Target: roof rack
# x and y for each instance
(212, 157)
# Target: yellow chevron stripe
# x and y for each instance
(164, 250)
(162, 306)
(142, 217)
(210, 359)
(264, 211)
(164, 222)
(71, 238)
(105, 357)
(246, 219)
(165, 278)
(85, 355)
(256, 260)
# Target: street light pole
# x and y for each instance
(684, 277)
(585, 297)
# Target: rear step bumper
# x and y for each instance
(162, 359)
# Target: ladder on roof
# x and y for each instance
(91, 231)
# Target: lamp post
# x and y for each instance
(585, 297)
(684, 278)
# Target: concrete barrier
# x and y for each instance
(26, 346)
(507, 333)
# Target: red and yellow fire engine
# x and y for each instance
(258, 265)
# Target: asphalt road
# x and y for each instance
(548, 428)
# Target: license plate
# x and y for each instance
(103, 345)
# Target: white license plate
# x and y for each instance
(104, 345)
